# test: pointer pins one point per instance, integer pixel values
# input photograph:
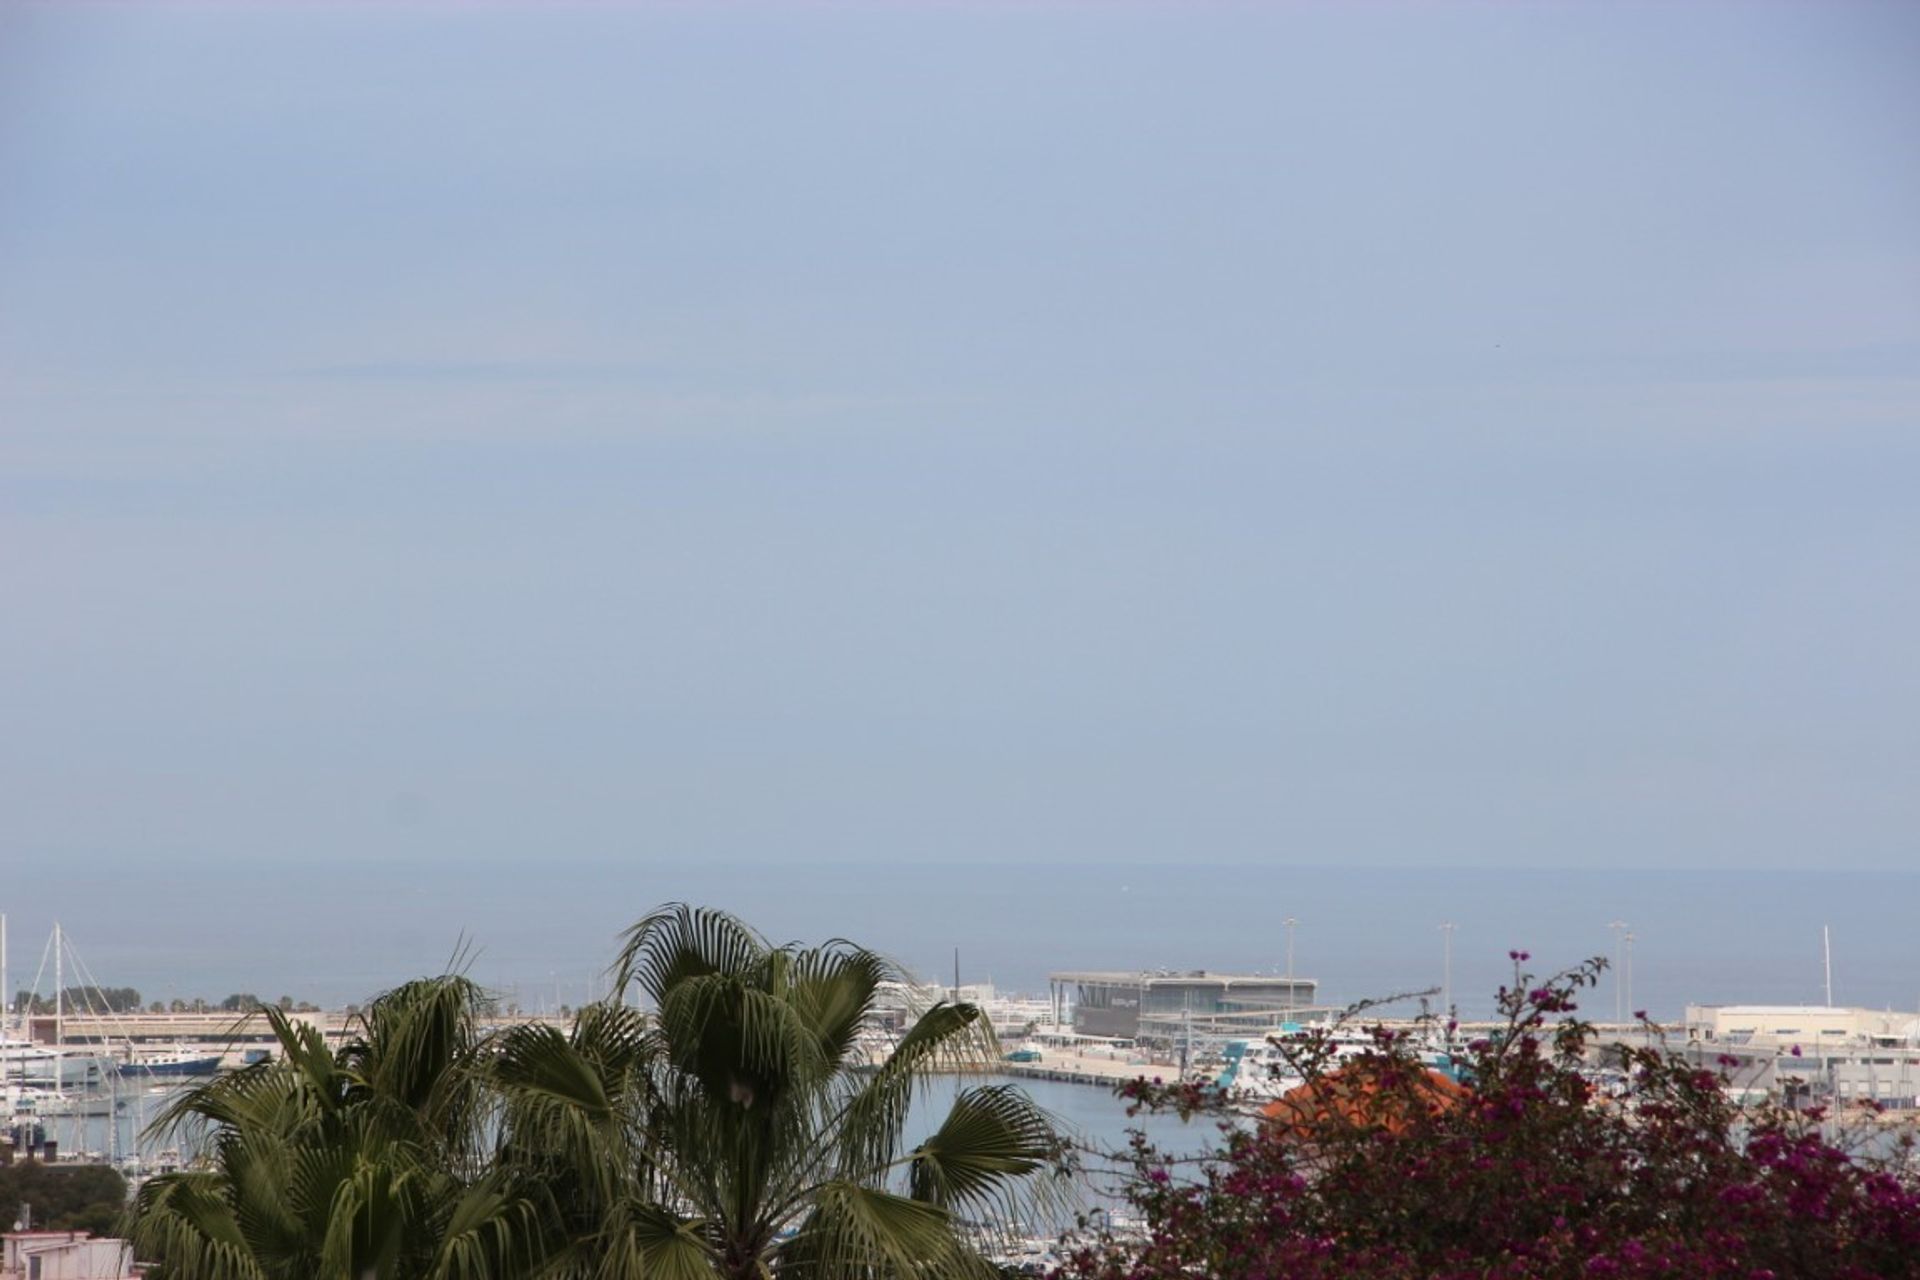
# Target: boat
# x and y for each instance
(1261, 1070)
(24, 1103)
(175, 1060)
(24, 1062)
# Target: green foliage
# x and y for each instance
(1376, 1170)
(64, 1197)
(365, 1162)
(81, 1000)
(729, 1134)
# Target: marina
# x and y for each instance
(83, 1084)
(87, 1083)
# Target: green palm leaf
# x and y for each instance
(992, 1138)
(859, 1231)
(496, 1230)
(945, 1037)
(678, 942)
(183, 1217)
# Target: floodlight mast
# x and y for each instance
(1619, 928)
(1290, 922)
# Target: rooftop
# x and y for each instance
(1176, 977)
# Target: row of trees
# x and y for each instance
(62, 1197)
(728, 1134)
(127, 1000)
(105, 999)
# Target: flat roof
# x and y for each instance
(1799, 1010)
(1146, 977)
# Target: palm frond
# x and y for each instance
(418, 1039)
(834, 987)
(376, 1220)
(745, 1044)
(867, 1134)
(560, 1115)
(495, 1232)
(182, 1217)
(540, 1062)
(260, 1185)
(667, 1245)
(857, 1231)
(301, 1079)
(678, 942)
(992, 1138)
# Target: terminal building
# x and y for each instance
(1165, 1007)
(1819, 1052)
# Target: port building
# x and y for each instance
(1167, 1007)
(1819, 1052)
(1810, 1026)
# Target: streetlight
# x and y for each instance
(1446, 971)
(1627, 971)
(1619, 927)
(1289, 922)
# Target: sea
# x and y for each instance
(543, 932)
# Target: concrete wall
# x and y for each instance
(64, 1255)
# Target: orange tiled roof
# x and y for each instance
(1365, 1094)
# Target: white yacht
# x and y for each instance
(1261, 1070)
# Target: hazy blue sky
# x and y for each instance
(1478, 434)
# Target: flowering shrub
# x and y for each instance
(1532, 1172)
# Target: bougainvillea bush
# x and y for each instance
(1534, 1171)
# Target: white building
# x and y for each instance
(1813, 1027)
(64, 1255)
(1817, 1051)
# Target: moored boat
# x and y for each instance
(176, 1060)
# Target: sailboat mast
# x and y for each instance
(59, 1014)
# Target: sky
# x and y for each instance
(458, 437)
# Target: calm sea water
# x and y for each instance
(542, 933)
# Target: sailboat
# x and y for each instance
(34, 1075)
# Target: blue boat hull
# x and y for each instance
(190, 1067)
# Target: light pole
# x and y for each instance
(1446, 970)
(1619, 928)
(1627, 971)
(1290, 922)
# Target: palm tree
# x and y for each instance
(369, 1163)
(730, 1134)
(733, 1135)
